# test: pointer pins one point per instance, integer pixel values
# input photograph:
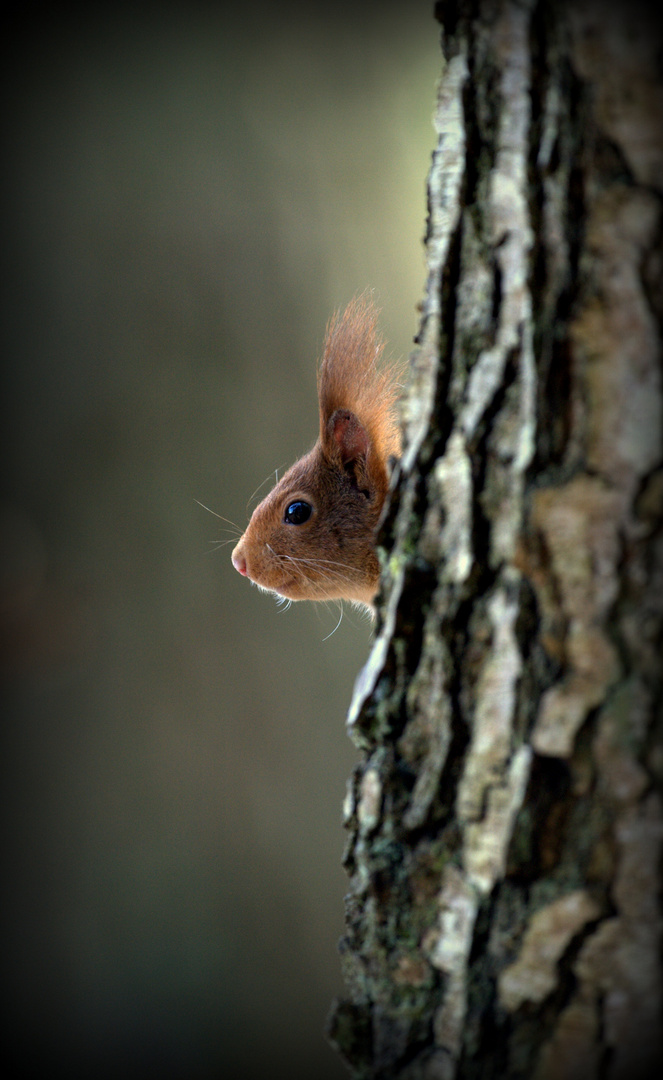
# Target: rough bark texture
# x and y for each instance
(503, 918)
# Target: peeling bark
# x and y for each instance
(506, 823)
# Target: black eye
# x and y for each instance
(298, 512)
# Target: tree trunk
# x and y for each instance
(506, 821)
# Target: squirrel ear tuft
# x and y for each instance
(348, 436)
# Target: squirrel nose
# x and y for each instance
(239, 562)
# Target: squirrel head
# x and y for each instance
(313, 536)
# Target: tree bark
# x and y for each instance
(506, 821)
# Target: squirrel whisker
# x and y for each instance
(220, 517)
(326, 572)
(340, 620)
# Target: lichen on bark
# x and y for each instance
(503, 918)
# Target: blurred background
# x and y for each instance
(189, 193)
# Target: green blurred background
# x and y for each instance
(189, 192)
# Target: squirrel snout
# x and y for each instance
(239, 562)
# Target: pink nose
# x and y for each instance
(239, 562)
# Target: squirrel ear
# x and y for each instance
(348, 435)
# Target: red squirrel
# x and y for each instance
(313, 536)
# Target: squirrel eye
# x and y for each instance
(298, 512)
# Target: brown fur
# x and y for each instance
(344, 478)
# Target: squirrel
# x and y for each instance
(313, 536)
